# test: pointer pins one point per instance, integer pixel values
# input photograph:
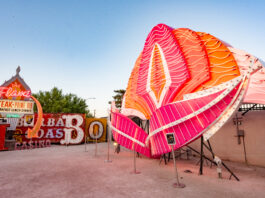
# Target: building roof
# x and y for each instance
(17, 77)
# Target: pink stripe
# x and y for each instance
(163, 36)
(189, 129)
(127, 126)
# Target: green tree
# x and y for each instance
(55, 101)
(118, 97)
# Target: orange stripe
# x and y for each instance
(223, 66)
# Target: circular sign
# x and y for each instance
(100, 130)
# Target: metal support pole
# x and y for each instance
(237, 129)
(245, 154)
(210, 149)
(96, 146)
(85, 142)
(201, 157)
(108, 134)
(232, 174)
(178, 184)
(134, 161)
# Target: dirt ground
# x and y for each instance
(61, 171)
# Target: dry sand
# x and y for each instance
(61, 171)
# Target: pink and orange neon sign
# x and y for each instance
(184, 82)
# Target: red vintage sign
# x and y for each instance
(14, 90)
(57, 128)
(11, 92)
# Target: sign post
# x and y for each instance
(108, 136)
(171, 141)
(96, 146)
(85, 141)
(134, 161)
(134, 156)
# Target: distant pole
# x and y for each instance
(134, 156)
(96, 149)
(134, 161)
(108, 134)
(201, 157)
(96, 146)
(85, 142)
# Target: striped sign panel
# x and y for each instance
(187, 119)
(129, 134)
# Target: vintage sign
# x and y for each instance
(32, 144)
(11, 92)
(96, 129)
(15, 88)
(60, 128)
(15, 99)
(16, 106)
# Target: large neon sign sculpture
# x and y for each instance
(184, 82)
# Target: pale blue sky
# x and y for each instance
(89, 47)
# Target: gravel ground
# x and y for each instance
(61, 171)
